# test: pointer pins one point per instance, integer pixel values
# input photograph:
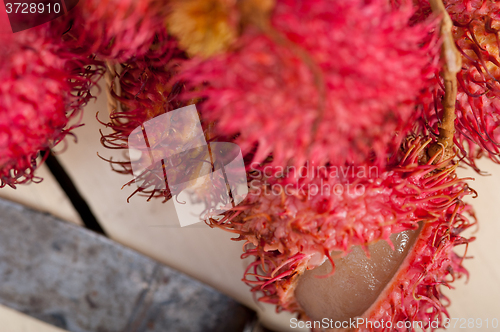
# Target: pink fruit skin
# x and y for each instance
(372, 65)
(290, 233)
(478, 108)
(42, 86)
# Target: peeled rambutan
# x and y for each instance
(42, 87)
(293, 227)
(291, 92)
(396, 289)
(414, 293)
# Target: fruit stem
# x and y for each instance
(109, 77)
(452, 65)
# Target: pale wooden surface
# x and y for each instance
(14, 321)
(46, 196)
(210, 256)
(480, 297)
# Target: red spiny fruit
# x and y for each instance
(41, 87)
(476, 28)
(114, 29)
(296, 228)
(414, 294)
(146, 91)
(330, 81)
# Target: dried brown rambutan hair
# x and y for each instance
(203, 27)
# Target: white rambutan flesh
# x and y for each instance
(357, 282)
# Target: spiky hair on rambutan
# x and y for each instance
(146, 90)
(289, 232)
(42, 88)
(415, 292)
(314, 66)
(476, 28)
(288, 99)
(116, 30)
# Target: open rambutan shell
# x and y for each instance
(289, 234)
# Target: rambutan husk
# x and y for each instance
(282, 94)
(141, 90)
(476, 28)
(44, 87)
(414, 293)
(67, 48)
(284, 245)
(113, 30)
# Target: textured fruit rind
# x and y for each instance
(42, 87)
(117, 30)
(268, 88)
(288, 234)
(146, 90)
(414, 295)
(476, 32)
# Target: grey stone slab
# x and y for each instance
(80, 281)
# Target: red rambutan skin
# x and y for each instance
(146, 91)
(114, 29)
(372, 65)
(414, 294)
(476, 28)
(289, 233)
(41, 87)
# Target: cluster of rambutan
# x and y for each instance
(335, 84)
(47, 73)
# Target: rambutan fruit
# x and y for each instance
(381, 299)
(42, 87)
(146, 90)
(114, 29)
(298, 227)
(291, 91)
(287, 98)
(476, 26)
